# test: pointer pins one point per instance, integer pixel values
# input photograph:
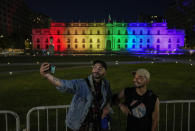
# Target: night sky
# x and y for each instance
(90, 10)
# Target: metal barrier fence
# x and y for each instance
(175, 115)
(164, 114)
(16, 116)
(170, 106)
(47, 115)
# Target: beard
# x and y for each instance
(137, 85)
(96, 75)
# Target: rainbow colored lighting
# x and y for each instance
(101, 37)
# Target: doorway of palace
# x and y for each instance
(108, 45)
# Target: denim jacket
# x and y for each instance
(82, 99)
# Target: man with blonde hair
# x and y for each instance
(141, 106)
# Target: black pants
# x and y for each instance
(91, 127)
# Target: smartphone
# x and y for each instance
(51, 69)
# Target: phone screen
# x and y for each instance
(53, 68)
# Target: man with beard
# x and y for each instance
(141, 106)
(91, 100)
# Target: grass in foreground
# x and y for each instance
(20, 92)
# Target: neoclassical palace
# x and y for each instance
(101, 37)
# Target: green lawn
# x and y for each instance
(22, 91)
(35, 59)
(16, 68)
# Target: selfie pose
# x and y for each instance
(91, 101)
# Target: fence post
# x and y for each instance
(16, 117)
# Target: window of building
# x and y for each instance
(83, 32)
(158, 32)
(119, 32)
(90, 46)
(83, 45)
(68, 46)
(148, 32)
(141, 41)
(126, 32)
(76, 32)
(158, 40)
(38, 40)
(83, 40)
(58, 47)
(98, 46)
(178, 41)
(178, 46)
(83, 25)
(68, 32)
(58, 40)
(148, 46)
(90, 32)
(75, 40)
(90, 41)
(98, 40)
(126, 46)
(47, 46)
(169, 40)
(38, 46)
(126, 40)
(58, 32)
(108, 32)
(76, 46)
(133, 46)
(68, 40)
(119, 40)
(133, 40)
(148, 40)
(141, 32)
(119, 47)
(158, 47)
(98, 32)
(133, 32)
(140, 46)
(169, 46)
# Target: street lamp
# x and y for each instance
(51, 46)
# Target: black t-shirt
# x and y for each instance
(141, 108)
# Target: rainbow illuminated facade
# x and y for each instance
(101, 37)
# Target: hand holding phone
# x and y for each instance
(47, 68)
(51, 69)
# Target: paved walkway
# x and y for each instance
(171, 60)
(153, 59)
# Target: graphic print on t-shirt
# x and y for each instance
(139, 110)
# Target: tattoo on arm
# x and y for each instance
(55, 79)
